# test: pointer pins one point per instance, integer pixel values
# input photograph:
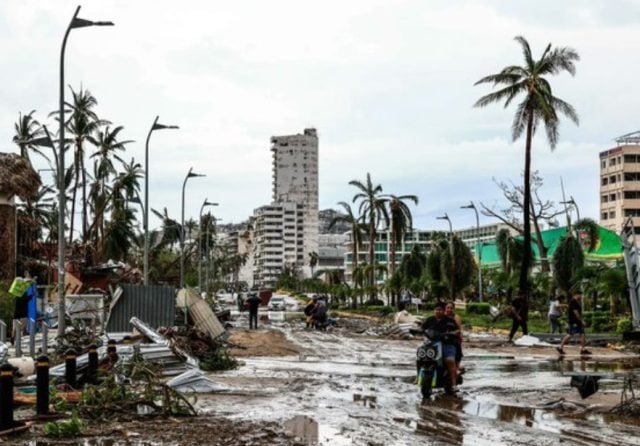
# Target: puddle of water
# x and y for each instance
(305, 430)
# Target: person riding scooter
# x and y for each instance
(319, 312)
(447, 329)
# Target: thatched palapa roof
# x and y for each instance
(17, 176)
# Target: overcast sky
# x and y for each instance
(387, 83)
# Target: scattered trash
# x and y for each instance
(194, 381)
(530, 341)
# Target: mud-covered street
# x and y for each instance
(348, 388)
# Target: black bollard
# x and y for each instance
(92, 370)
(70, 367)
(42, 385)
(6, 396)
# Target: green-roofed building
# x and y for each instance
(608, 249)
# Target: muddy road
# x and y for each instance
(348, 389)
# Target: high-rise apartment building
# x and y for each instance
(279, 241)
(286, 231)
(620, 183)
(295, 180)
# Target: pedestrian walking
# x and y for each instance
(576, 325)
(519, 315)
(555, 311)
(254, 303)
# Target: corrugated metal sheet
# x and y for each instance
(154, 304)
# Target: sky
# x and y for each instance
(388, 84)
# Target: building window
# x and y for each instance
(603, 164)
(604, 198)
(632, 212)
(612, 179)
(604, 216)
(612, 162)
(632, 194)
(612, 214)
(612, 197)
(632, 176)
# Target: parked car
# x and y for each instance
(277, 303)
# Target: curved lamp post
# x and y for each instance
(453, 260)
(478, 246)
(204, 204)
(76, 22)
(190, 174)
(155, 126)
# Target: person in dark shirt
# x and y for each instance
(576, 325)
(254, 303)
(448, 329)
(519, 315)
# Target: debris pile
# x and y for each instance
(212, 354)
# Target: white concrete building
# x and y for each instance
(487, 233)
(295, 180)
(279, 231)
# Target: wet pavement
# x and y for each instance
(351, 390)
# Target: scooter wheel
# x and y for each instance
(425, 389)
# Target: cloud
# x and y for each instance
(388, 84)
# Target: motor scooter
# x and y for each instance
(432, 371)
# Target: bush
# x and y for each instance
(599, 321)
(373, 303)
(624, 325)
(478, 308)
(387, 309)
(7, 304)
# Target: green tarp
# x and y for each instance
(609, 247)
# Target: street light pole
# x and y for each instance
(205, 203)
(478, 247)
(145, 211)
(190, 174)
(453, 261)
(75, 22)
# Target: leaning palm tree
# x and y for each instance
(27, 130)
(356, 232)
(372, 210)
(538, 106)
(401, 222)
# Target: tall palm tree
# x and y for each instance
(372, 210)
(82, 123)
(401, 222)
(538, 106)
(27, 129)
(356, 232)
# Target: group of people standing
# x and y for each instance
(519, 313)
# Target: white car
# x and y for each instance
(277, 303)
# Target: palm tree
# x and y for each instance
(27, 129)
(372, 210)
(356, 231)
(568, 258)
(401, 223)
(313, 261)
(539, 105)
(459, 271)
(82, 123)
